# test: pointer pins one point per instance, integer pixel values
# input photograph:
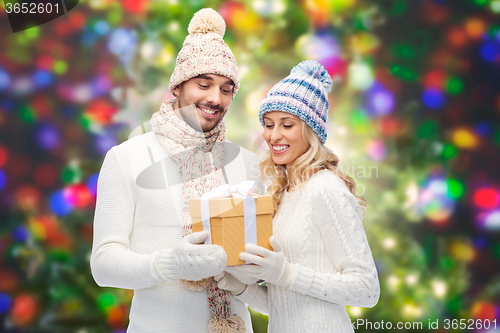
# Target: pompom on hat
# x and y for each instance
(303, 93)
(204, 51)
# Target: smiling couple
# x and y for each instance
(143, 240)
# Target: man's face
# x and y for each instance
(202, 101)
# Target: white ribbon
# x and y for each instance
(243, 190)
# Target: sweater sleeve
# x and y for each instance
(338, 216)
(112, 264)
(255, 296)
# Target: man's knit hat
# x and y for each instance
(204, 51)
(303, 93)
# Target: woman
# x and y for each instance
(321, 260)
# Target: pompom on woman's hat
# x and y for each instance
(303, 93)
(204, 51)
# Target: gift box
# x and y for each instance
(234, 222)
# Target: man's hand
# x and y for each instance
(195, 261)
(228, 282)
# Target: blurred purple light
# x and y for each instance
(483, 128)
(380, 101)
(42, 78)
(433, 98)
(3, 179)
(21, 234)
(5, 302)
(48, 137)
(489, 51)
(4, 79)
(105, 142)
(480, 242)
(101, 85)
(121, 41)
(59, 205)
(92, 184)
(7, 104)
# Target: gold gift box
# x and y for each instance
(227, 223)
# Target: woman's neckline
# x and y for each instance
(313, 175)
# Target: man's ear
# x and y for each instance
(175, 91)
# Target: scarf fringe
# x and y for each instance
(231, 324)
(196, 285)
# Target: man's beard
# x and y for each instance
(190, 114)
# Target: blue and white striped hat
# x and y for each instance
(303, 93)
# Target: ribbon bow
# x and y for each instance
(241, 190)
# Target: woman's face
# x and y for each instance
(283, 135)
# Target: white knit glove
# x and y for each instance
(228, 282)
(191, 260)
(273, 267)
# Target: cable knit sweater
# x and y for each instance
(320, 230)
(138, 221)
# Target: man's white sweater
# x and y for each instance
(138, 220)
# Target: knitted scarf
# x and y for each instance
(200, 157)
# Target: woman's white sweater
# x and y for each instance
(138, 221)
(320, 229)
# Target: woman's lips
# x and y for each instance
(280, 151)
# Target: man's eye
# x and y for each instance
(203, 86)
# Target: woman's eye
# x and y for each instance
(287, 126)
(269, 126)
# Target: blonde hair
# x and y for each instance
(316, 158)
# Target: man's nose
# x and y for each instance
(213, 96)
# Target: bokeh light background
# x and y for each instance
(414, 119)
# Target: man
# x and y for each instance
(142, 228)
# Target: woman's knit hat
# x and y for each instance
(303, 93)
(204, 51)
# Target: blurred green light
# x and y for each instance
(114, 17)
(32, 32)
(455, 86)
(497, 251)
(446, 263)
(60, 67)
(404, 73)
(27, 114)
(455, 189)
(481, 2)
(402, 51)
(495, 6)
(59, 254)
(106, 301)
(494, 30)
(427, 129)
(449, 151)
(455, 305)
(359, 120)
(396, 7)
(71, 174)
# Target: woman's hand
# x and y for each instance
(273, 266)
